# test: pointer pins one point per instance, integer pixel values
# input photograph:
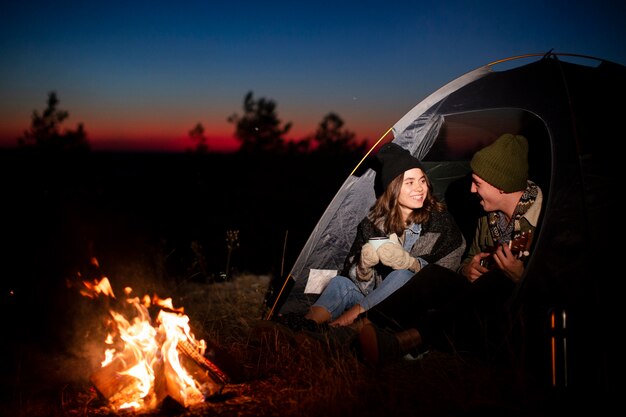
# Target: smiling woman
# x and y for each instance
(420, 232)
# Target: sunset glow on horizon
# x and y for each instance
(163, 131)
(141, 75)
(153, 137)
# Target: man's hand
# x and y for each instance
(503, 259)
(475, 269)
(508, 263)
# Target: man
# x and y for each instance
(466, 310)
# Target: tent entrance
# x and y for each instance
(447, 143)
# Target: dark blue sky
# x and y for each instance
(141, 74)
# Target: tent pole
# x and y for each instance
(271, 312)
(370, 151)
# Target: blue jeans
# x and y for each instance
(341, 293)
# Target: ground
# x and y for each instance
(272, 372)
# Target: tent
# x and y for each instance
(569, 107)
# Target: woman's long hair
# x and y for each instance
(386, 214)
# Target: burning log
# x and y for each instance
(149, 364)
(192, 353)
(117, 385)
(111, 380)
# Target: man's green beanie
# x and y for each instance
(504, 163)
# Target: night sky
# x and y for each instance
(140, 74)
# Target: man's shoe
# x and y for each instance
(379, 347)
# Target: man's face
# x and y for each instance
(490, 196)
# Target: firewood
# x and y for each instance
(109, 379)
(192, 352)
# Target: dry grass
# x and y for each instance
(276, 375)
(304, 376)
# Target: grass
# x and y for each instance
(274, 373)
(306, 377)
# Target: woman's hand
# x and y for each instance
(368, 259)
(394, 256)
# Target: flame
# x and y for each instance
(94, 288)
(142, 364)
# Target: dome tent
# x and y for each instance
(569, 107)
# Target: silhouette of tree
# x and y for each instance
(259, 128)
(333, 139)
(197, 135)
(45, 130)
(301, 146)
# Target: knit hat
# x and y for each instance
(395, 160)
(504, 163)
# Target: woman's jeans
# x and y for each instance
(341, 293)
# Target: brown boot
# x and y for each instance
(357, 325)
(409, 340)
(379, 347)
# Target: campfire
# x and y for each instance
(147, 361)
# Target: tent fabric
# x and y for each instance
(571, 113)
(409, 131)
(330, 241)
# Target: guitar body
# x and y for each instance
(519, 247)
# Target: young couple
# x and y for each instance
(414, 292)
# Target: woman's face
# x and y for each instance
(414, 190)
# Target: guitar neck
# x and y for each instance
(519, 248)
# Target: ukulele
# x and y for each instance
(519, 247)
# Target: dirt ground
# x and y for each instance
(271, 373)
